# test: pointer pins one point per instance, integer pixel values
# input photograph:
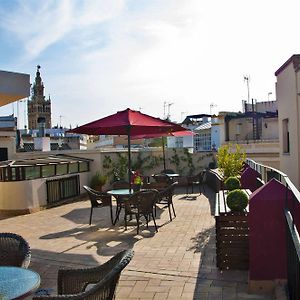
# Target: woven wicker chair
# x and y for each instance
(98, 283)
(162, 178)
(14, 250)
(99, 199)
(195, 180)
(165, 197)
(140, 204)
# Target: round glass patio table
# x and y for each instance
(121, 192)
(172, 175)
(120, 195)
(16, 283)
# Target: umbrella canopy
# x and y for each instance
(128, 122)
(131, 123)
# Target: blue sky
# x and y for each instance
(98, 57)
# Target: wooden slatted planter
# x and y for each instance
(232, 236)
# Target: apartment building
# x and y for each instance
(288, 97)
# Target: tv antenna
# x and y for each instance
(211, 106)
(60, 117)
(167, 106)
(247, 79)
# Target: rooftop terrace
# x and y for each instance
(178, 262)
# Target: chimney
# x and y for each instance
(41, 125)
(41, 143)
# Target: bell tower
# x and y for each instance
(38, 106)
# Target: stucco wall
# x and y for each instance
(29, 195)
(286, 93)
(10, 144)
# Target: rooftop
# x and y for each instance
(178, 262)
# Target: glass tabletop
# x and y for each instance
(172, 174)
(16, 282)
(120, 192)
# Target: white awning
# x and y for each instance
(13, 87)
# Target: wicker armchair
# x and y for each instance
(162, 178)
(99, 199)
(195, 180)
(14, 250)
(165, 197)
(140, 204)
(98, 283)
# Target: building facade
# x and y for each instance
(38, 107)
(288, 97)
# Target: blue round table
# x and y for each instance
(16, 283)
(121, 192)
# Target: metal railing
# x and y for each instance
(62, 188)
(293, 240)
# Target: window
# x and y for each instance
(48, 171)
(83, 166)
(32, 172)
(73, 168)
(286, 136)
(62, 169)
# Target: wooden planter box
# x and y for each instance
(232, 236)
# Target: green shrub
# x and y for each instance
(232, 183)
(237, 200)
(98, 181)
(230, 161)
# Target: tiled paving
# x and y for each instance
(178, 262)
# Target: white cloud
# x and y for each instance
(47, 22)
(118, 54)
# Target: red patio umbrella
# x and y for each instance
(131, 123)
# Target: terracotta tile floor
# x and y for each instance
(178, 262)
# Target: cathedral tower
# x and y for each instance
(38, 107)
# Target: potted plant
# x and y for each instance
(137, 181)
(237, 200)
(98, 181)
(232, 183)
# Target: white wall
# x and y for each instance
(288, 108)
(29, 195)
(13, 86)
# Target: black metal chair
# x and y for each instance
(98, 283)
(195, 180)
(165, 197)
(14, 250)
(98, 200)
(140, 204)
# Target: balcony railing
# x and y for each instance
(62, 188)
(293, 240)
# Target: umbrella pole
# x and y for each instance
(129, 158)
(164, 153)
